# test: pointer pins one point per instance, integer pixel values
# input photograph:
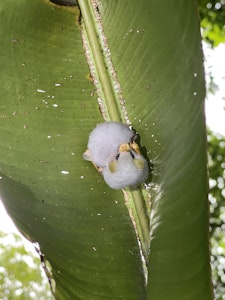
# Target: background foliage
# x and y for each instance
(216, 154)
(212, 14)
(20, 276)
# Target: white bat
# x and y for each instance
(114, 152)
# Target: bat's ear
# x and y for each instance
(134, 138)
(87, 155)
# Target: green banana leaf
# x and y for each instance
(146, 67)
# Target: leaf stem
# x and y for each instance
(101, 66)
(102, 74)
(142, 220)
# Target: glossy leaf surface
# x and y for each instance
(48, 107)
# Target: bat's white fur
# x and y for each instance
(131, 168)
(105, 140)
(127, 174)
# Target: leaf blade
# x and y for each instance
(46, 185)
(164, 95)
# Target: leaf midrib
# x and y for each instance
(100, 62)
(105, 80)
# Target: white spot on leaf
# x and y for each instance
(65, 172)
